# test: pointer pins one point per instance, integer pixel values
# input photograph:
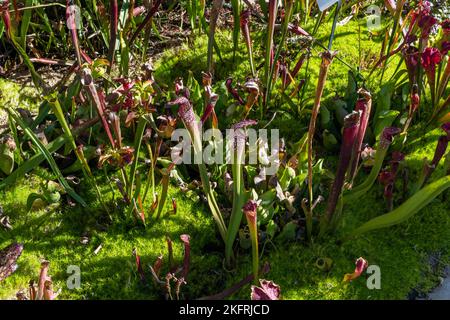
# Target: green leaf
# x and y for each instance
(236, 25)
(124, 56)
(53, 197)
(164, 190)
(6, 159)
(32, 163)
(2, 29)
(33, 197)
(405, 211)
(385, 119)
(123, 14)
(384, 98)
(289, 231)
(46, 154)
(271, 229)
(25, 23)
(137, 146)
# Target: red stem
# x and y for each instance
(187, 254)
(4, 11)
(146, 20)
(296, 69)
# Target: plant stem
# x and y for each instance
(333, 27)
(250, 213)
(238, 202)
(268, 62)
(287, 18)
(150, 175)
(214, 15)
(364, 105)
(137, 146)
(327, 58)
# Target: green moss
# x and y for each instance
(349, 42)
(192, 57)
(12, 94)
(55, 236)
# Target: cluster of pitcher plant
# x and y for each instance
(426, 58)
(99, 121)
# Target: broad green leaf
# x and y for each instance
(405, 211)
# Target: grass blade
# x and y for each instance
(58, 112)
(38, 158)
(25, 23)
(137, 146)
(16, 117)
(410, 207)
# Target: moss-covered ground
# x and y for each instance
(410, 255)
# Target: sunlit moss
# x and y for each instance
(56, 236)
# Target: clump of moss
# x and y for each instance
(191, 56)
(55, 235)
